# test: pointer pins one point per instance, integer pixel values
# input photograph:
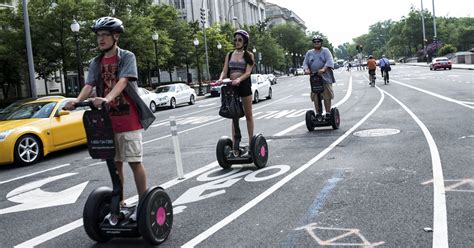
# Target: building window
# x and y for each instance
(179, 4)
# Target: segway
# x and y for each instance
(317, 120)
(256, 152)
(103, 217)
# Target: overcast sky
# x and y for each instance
(343, 20)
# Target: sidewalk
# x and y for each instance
(454, 66)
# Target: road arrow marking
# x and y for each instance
(32, 197)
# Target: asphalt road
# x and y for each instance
(397, 173)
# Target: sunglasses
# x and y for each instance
(317, 41)
(238, 40)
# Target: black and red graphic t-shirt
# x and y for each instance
(123, 111)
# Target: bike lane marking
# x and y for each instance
(440, 222)
(78, 223)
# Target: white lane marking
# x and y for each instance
(78, 223)
(73, 225)
(206, 105)
(219, 225)
(34, 173)
(54, 233)
(433, 94)
(342, 101)
(440, 222)
(157, 123)
(209, 123)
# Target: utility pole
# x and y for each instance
(434, 21)
(29, 49)
(203, 21)
(424, 34)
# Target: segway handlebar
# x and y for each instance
(227, 82)
(88, 104)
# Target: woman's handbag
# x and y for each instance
(231, 106)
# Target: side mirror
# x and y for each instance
(63, 112)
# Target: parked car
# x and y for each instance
(172, 95)
(441, 62)
(299, 71)
(149, 98)
(272, 78)
(215, 88)
(38, 127)
(391, 62)
(261, 87)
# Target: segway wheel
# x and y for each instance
(155, 218)
(335, 119)
(223, 149)
(310, 116)
(259, 151)
(96, 208)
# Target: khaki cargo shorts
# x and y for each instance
(327, 94)
(129, 146)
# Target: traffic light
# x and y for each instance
(203, 15)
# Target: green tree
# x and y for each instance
(447, 49)
(12, 59)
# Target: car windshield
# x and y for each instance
(32, 110)
(441, 60)
(10, 108)
(165, 89)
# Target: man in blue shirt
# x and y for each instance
(384, 65)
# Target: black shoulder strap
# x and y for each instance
(228, 61)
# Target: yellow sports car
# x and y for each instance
(38, 127)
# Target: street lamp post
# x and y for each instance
(237, 20)
(230, 7)
(254, 50)
(75, 29)
(293, 60)
(196, 44)
(219, 47)
(286, 60)
(155, 38)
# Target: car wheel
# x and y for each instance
(172, 103)
(28, 150)
(192, 100)
(449, 68)
(153, 106)
(255, 97)
(431, 69)
(269, 93)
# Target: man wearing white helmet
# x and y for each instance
(319, 60)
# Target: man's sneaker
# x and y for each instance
(328, 116)
(319, 117)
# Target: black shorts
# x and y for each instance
(245, 88)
